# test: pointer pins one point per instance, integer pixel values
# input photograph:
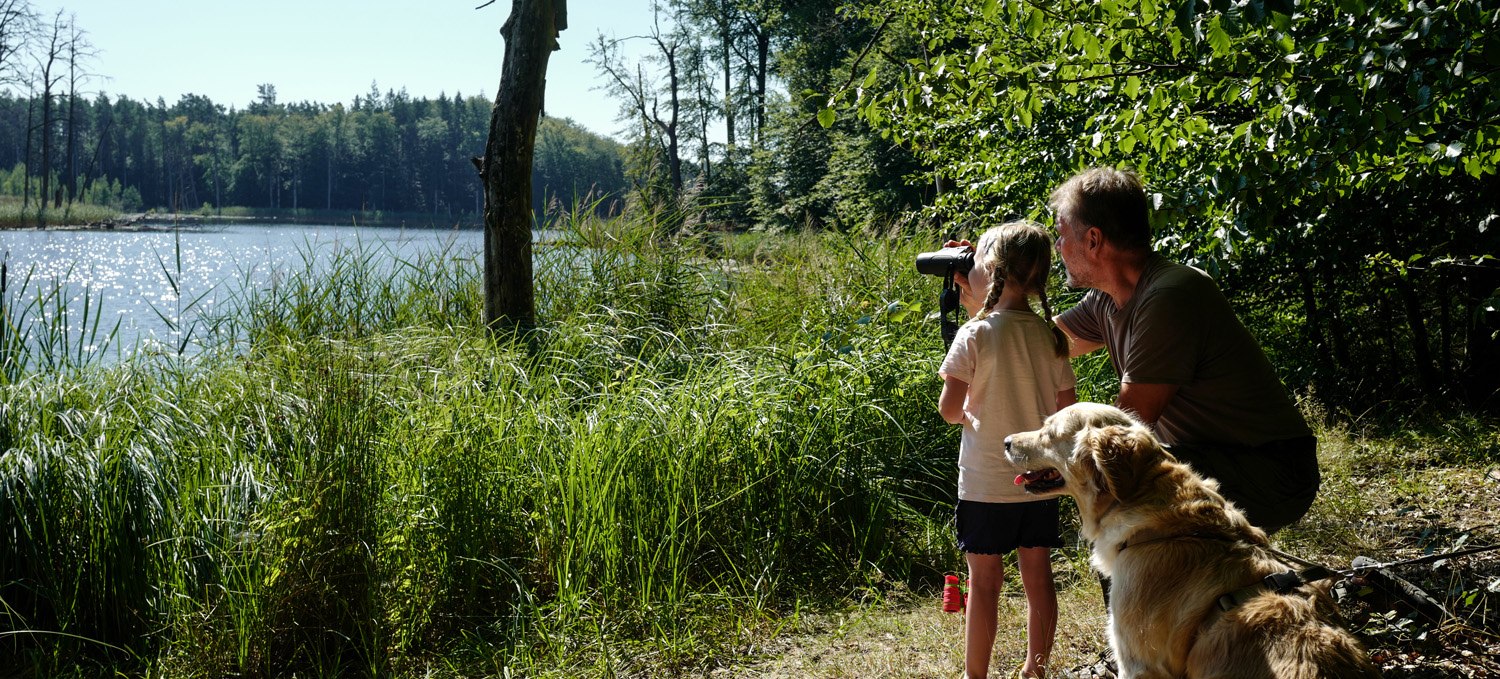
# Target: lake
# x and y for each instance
(136, 278)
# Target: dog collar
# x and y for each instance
(1150, 537)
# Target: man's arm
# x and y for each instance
(1146, 400)
(1076, 347)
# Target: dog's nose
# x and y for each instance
(1007, 444)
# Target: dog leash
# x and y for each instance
(1286, 581)
(1361, 569)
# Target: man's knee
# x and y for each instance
(1274, 485)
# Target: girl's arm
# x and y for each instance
(1066, 398)
(951, 402)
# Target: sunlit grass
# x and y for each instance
(360, 480)
(700, 443)
(13, 214)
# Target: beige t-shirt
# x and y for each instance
(1009, 360)
(1177, 328)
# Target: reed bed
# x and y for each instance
(14, 214)
(355, 479)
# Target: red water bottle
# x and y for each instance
(953, 597)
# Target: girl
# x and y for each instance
(1006, 370)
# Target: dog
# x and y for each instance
(1187, 568)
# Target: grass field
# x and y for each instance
(715, 456)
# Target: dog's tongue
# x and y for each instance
(1035, 475)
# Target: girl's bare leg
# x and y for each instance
(1035, 564)
(986, 574)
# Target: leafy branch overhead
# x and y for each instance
(1272, 101)
(1292, 146)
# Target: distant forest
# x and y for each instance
(720, 122)
(389, 152)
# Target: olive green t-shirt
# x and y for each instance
(1179, 329)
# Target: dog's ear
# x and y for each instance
(1123, 459)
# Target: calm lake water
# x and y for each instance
(128, 275)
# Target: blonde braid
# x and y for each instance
(997, 286)
(1059, 336)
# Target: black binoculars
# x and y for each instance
(958, 259)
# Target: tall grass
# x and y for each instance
(14, 215)
(363, 482)
(355, 479)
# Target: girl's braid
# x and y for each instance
(1059, 336)
(997, 284)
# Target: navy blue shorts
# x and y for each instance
(1001, 527)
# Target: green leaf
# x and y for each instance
(1187, 16)
(1218, 39)
(1132, 86)
(869, 80)
(825, 118)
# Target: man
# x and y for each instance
(1187, 366)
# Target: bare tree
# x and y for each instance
(79, 51)
(721, 18)
(530, 37)
(49, 75)
(17, 24)
(754, 49)
(701, 109)
(17, 31)
(644, 95)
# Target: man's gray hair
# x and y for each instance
(1113, 201)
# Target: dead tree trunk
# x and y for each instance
(530, 36)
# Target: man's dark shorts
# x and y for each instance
(1001, 527)
(1274, 484)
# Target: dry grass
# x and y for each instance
(1382, 497)
(907, 635)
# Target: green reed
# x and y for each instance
(360, 481)
(47, 325)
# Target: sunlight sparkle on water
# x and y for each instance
(155, 283)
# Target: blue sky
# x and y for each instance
(330, 50)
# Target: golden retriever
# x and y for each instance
(1174, 548)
